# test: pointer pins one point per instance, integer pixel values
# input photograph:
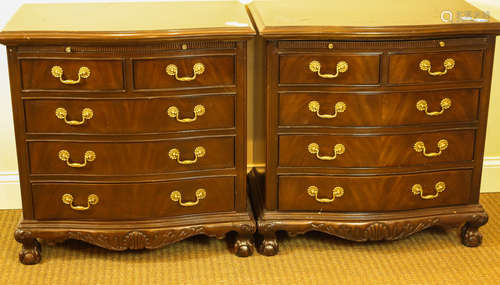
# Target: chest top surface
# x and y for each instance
(370, 18)
(127, 20)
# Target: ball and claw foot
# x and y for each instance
(471, 236)
(30, 253)
(268, 246)
(243, 247)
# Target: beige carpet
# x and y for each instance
(431, 257)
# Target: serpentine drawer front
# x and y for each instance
(131, 134)
(436, 67)
(188, 72)
(329, 69)
(120, 158)
(375, 150)
(123, 201)
(375, 122)
(385, 109)
(71, 74)
(370, 193)
(177, 114)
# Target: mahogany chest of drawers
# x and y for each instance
(131, 129)
(376, 121)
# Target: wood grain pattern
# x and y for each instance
(404, 68)
(130, 131)
(385, 109)
(375, 150)
(126, 201)
(379, 128)
(363, 20)
(151, 74)
(374, 193)
(104, 74)
(363, 68)
(124, 158)
(130, 116)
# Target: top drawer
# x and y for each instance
(72, 74)
(430, 67)
(187, 72)
(332, 69)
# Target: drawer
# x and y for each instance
(72, 74)
(185, 72)
(374, 193)
(387, 109)
(126, 201)
(436, 67)
(338, 68)
(128, 158)
(129, 116)
(375, 150)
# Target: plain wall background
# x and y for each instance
(9, 186)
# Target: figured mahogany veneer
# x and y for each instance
(104, 74)
(363, 68)
(126, 201)
(129, 158)
(377, 109)
(371, 193)
(405, 68)
(110, 123)
(218, 71)
(375, 150)
(112, 116)
(341, 143)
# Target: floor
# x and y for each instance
(430, 257)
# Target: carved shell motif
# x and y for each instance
(135, 240)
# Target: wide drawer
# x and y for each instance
(185, 72)
(436, 67)
(338, 68)
(129, 116)
(374, 193)
(132, 200)
(128, 158)
(375, 150)
(72, 74)
(387, 109)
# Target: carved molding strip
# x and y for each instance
(377, 44)
(134, 239)
(371, 231)
(178, 46)
(377, 230)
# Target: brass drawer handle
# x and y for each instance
(422, 106)
(92, 199)
(418, 190)
(198, 111)
(176, 196)
(57, 72)
(314, 106)
(315, 66)
(337, 149)
(420, 147)
(198, 68)
(337, 192)
(88, 157)
(175, 154)
(87, 114)
(448, 64)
